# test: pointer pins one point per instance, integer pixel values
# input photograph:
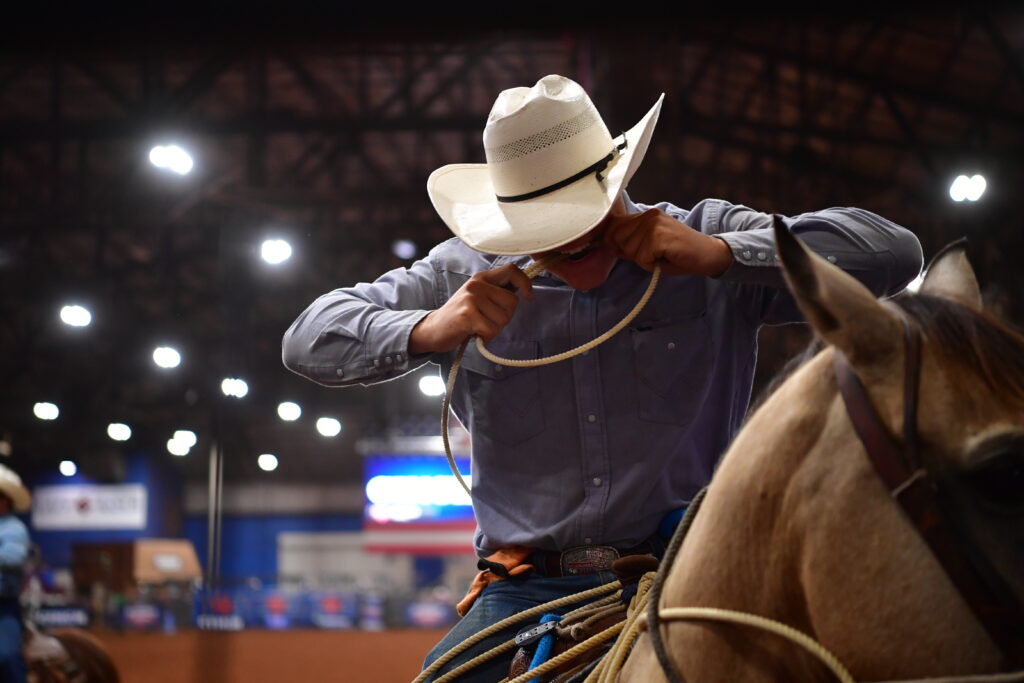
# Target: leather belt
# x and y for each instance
(588, 559)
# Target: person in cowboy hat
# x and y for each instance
(13, 553)
(578, 462)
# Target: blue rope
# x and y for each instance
(544, 646)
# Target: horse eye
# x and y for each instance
(999, 482)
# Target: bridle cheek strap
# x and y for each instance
(919, 492)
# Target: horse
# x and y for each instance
(798, 527)
(67, 655)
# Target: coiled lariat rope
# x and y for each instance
(531, 272)
(501, 625)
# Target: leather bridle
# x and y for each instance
(914, 480)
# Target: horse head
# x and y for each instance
(799, 527)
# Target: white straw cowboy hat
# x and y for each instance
(553, 171)
(11, 486)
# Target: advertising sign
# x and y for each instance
(415, 505)
(89, 506)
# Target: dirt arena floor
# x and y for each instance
(269, 656)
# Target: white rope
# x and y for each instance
(788, 632)
(509, 621)
(531, 272)
(583, 348)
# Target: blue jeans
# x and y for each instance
(12, 664)
(503, 599)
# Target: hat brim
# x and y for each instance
(463, 196)
(19, 495)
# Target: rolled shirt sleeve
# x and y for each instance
(360, 334)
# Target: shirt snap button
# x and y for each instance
(671, 345)
(761, 256)
(597, 481)
(831, 259)
(591, 418)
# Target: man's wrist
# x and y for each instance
(721, 257)
(419, 337)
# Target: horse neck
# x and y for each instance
(797, 527)
(745, 548)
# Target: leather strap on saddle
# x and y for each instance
(501, 564)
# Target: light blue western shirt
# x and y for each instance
(597, 449)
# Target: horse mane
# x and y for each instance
(975, 341)
(978, 342)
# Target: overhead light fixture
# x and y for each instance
(432, 385)
(289, 411)
(186, 437)
(267, 462)
(68, 468)
(118, 431)
(232, 386)
(172, 158)
(403, 249)
(45, 410)
(176, 447)
(275, 251)
(75, 316)
(166, 357)
(328, 426)
(970, 189)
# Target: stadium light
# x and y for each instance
(289, 411)
(275, 251)
(172, 158)
(46, 411)
(432, 385)
(328, 426)
(232, 386)
(75, 316)
(118, 431)
(166, 357)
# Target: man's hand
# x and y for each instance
(655, 237)
(481, 307)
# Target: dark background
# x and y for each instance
(320, 123)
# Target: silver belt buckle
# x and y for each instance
(587, 559)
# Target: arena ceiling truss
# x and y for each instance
(328, 143)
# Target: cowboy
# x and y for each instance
(13, 553)
(577, 463)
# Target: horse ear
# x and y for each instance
(950, 275)
(841, 310)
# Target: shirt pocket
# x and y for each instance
(672, 365)
(507, 403)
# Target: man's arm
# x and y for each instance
(360, 334)
(879, 253)
(377, 331)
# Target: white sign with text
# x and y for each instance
(89, 506)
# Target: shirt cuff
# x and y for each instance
(388, 344)
(754, 257)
